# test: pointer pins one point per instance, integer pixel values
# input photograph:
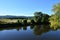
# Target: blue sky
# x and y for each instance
(26, 7)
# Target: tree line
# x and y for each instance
(42, 18)
(53, 20)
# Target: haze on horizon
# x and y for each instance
(26, 7)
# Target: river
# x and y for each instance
(32, 32)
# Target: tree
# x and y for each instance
(37, 17)
(40, 17)
(24, 21)
(38, 14)
(56, 8)
(45, 18)
(32, 22)
(55, 18)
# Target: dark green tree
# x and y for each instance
(45, 18)
(24, 21)
(38, 17)
(32, 22)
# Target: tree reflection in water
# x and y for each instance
(24, 27)
(31, 26)
(37, 29)
(18, 28)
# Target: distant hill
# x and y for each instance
(15, 17)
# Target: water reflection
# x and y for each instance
(32, 32)
(31, 26)
(24, 27)
(37, 29)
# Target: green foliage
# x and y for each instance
(32, 21)
(37, 19)
(45, 18)
(55, 21)
(18, 21)
(38, 16)
(41, 17)
(55, 18)
(24, 21)
(56, 8)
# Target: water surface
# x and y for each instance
(33, 32)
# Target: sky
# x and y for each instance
(26, 7)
